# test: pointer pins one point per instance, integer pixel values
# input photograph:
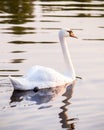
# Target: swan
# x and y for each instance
(44, 77)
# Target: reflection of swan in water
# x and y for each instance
(41, 96)
(65, 120)
(46, 95)
(42, 77)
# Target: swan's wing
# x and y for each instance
(41, 77)
(45, 74)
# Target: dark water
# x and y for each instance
(28, 36)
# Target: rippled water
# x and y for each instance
(29, 36)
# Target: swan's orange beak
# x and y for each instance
(71, 34)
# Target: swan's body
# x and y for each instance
(43, 77)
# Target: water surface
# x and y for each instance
(29, 36)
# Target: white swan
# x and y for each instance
(43, 77)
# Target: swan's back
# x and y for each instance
(44, 74)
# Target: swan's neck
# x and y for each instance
(67, 57)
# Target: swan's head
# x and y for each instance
(66, 33)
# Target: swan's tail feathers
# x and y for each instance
(14, 82)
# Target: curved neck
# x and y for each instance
(67, 57)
